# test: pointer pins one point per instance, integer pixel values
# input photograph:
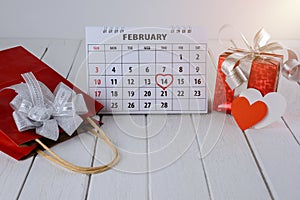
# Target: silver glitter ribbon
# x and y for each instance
(237, 72)
(36, 107)
(291, 68)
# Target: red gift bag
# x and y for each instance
(13, 63)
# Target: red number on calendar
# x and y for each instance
(97, 93)
(97, 81)
(96, 48)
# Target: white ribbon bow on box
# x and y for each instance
(36, 107)
(237, 75)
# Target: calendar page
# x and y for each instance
(144, 70)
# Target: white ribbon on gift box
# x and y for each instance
(36, 107)
(236, 75)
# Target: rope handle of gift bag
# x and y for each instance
(52, 156)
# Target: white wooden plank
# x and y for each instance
(47, 180)
(35, 46)
(60, 55)
(175, 168)
(291, 92)
(12, 175)
(278, 155)
(78, 74)
(13, 172)
(231, 170)
(128, 179)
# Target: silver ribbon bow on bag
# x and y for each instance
(36, 107)
(236, 75)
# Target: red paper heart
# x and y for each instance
(247, 115)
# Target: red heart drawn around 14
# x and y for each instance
(164, 80)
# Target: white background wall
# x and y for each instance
(67, 18)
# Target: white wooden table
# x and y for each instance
(162, 156)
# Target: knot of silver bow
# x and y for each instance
(237, 74)
(36, 107)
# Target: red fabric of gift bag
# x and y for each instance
(13, 63)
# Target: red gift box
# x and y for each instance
(264, 75)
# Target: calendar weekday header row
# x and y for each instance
(146, 47)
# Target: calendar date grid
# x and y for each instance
(135, 89)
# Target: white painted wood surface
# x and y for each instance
(176, 172)
(162, 156)
(291, 91)
(128, 180)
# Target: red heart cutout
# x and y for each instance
(247, 115)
